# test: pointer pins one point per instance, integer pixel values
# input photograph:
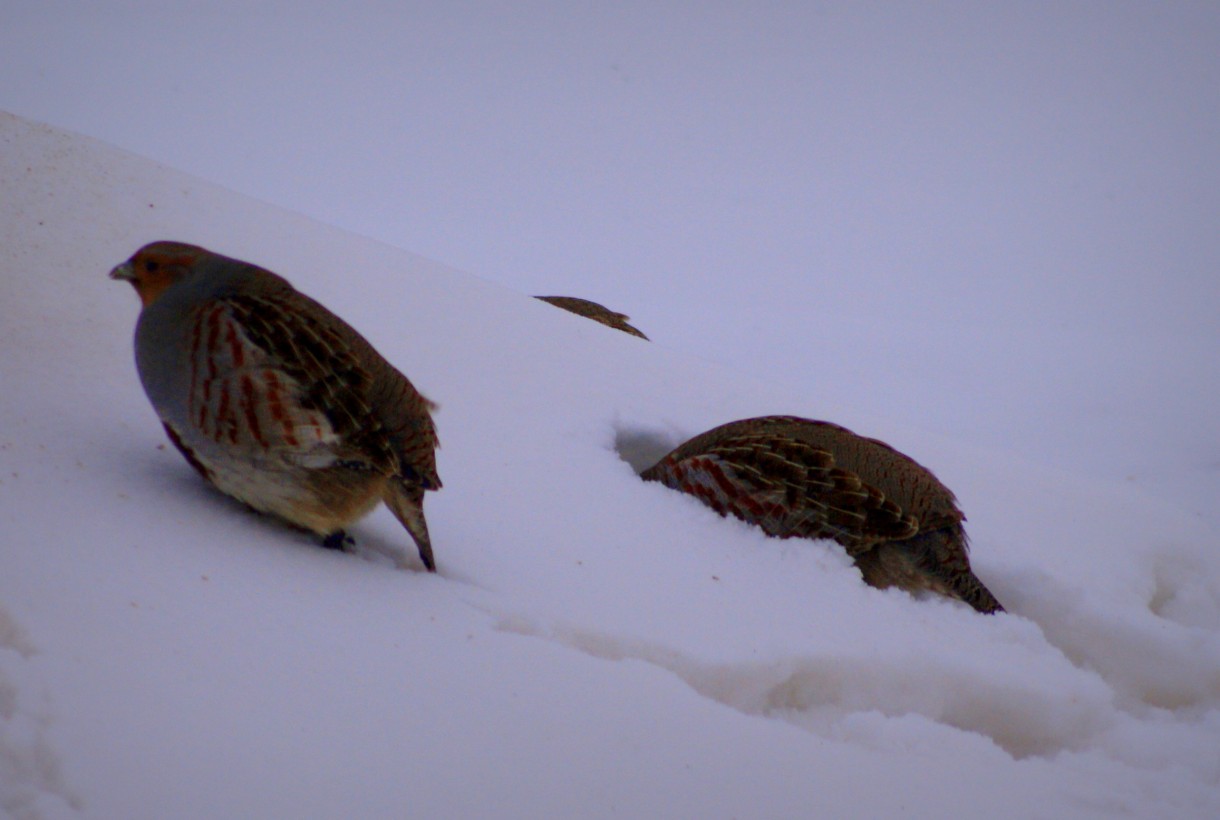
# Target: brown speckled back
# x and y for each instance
(796, 477)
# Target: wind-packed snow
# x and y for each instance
(983, 233)
(593, 645)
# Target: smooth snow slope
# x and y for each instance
(593, 646)
(996, 221)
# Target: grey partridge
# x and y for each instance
(594, 311)
(275, 400)
(797, 478)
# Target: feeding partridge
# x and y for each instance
(797, 478)
(275, 400)
(594, 311)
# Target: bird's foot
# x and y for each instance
(338, 540)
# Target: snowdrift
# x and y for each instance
(592, 645)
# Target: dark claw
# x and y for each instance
(338, 540)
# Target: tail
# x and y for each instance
(406, 501)
(972, 591)
(935, 560)
(943, 555)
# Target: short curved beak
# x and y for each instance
(124, 272)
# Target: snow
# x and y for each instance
(1022, 299)
(593, 645)
(1022, 197)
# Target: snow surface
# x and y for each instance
(982, 232)
(593, 645)
(996, 221)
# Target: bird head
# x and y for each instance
(156, 266)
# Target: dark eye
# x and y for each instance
(151, 265)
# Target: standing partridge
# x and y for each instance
(594, 311)
(797, 478)
(275, 400)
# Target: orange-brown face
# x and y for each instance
(157, 266)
